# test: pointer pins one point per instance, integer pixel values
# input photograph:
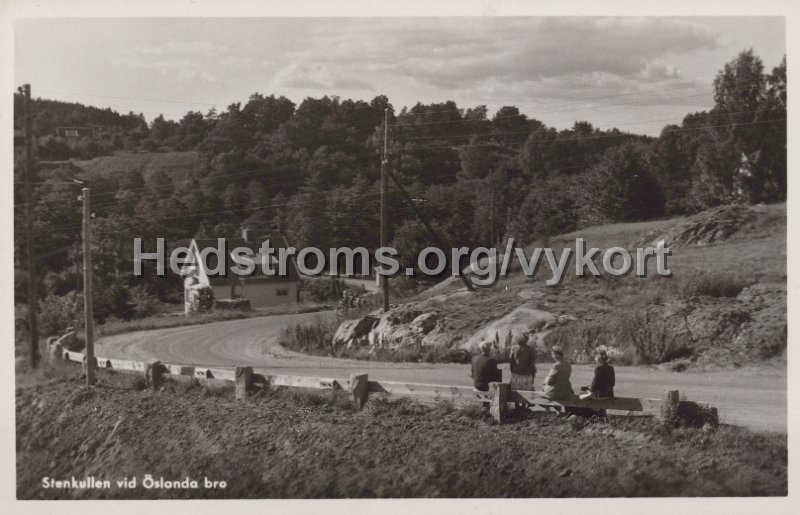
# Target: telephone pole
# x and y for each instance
(87, 286)
(33, 295)
(491, 218)
(384, 207)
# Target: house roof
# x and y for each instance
(258, 275)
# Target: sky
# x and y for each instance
(637, 74)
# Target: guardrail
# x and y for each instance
(670, 408)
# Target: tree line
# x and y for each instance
(311, 172)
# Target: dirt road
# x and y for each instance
(753, 397)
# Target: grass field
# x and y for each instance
(175, 164)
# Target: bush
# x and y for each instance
(654, 343)
(112, 300)
(57, 312)
(323, 290)
(232, 305)
(714, 284)
(628, 339)
(315, 337)
(144, 304)
(205, 299)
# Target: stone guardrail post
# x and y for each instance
(359, 388)
(669, 407)
(152, 374)
(244, 381)
(498, 407)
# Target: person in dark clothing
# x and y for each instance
(522, 361)
(602, 386)
(484, 368)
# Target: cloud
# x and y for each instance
(498, 61)
(183, 70)
(556, 47)
(656, 71)
(172, 48)
(318, 76)
(513, 59)
(186, 61)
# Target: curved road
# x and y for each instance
(752, 397)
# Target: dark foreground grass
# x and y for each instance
(289, 443)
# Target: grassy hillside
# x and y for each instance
(174, 164)
(755, 247)
(724, 305)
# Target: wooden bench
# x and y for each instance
(629, 404)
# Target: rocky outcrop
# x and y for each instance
(354, 333)
(523, 320)
(750, 327)
(409, 325)
(706, 228)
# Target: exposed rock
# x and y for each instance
(765, 334)
(444, 297)
(752, 326)
(706, 228)
(424, 323)
(523, 320)
(530, 294)
(354, 333)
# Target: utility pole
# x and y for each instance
(33, 295)
(87, 286)
(491, 218)
(384, 207)
(508, 220)
(439, 242)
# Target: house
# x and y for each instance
(75, 132)
(259, 289)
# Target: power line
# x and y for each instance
(602, 136)
(490, 133)
(266, 171)
(219, 211)
(643, 102)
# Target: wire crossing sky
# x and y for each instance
(557, 69)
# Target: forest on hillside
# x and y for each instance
(311, 172)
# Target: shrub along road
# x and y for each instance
(754, 397)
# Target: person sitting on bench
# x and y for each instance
(484, 368)
(556, 384)
(602, 386)
(522, 362)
